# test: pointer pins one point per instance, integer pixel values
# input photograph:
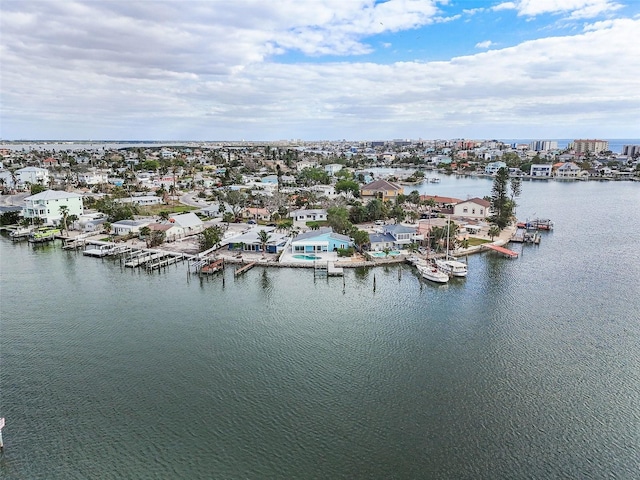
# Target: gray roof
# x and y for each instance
(53, 195)
(381, 237)
(322, 231)
(399, 229)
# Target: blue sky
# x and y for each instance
(319, 69)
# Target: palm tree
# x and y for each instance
(494, 231)
(64, 211)
(264, 238)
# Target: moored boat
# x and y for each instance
(452, 267)
(432, 273)
(44, 234)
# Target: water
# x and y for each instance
(528, 368)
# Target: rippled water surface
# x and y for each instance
(528, 368)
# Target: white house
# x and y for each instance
(92, 178)
(125, 227)
(32, 175)
(189, 222)
(46, 205)
(332, 168)
(142, 200)
(311, 215)
(567, 170)
(493, 167)
(472, 208)
(541, 170)
(302, 164)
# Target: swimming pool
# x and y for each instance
(392, 253)
(306, 257)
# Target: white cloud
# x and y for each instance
(485, 44)
(504, 6)
(214, 75)
(576, 8)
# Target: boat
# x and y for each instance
(434, 180)
(44, 234)
(431, 272)
(536, 224)
(452, 267)
(20, 233)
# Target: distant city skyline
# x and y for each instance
(320, 69)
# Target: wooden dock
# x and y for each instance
(504, 251)
(243, 269)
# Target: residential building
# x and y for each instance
(382, 189)
(567, 170)
(543, 145)
(32, 175)
(250, 241)
(472, 208)
(190, 223)
(126, 227)
(92, 178)
(332, 168)
(541, 170)
(46, 206)
(309, 215)
(631, 150)
(493, 167)
(321, 240)
(582, 147)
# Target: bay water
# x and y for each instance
(528, 368)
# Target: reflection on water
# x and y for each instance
(527, 365)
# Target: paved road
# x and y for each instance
(13, 200)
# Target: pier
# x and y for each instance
(504, 251)
(243, 269)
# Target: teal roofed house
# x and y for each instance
(322, 240)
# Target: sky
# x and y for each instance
(263, 70)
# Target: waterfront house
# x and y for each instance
(379, 241)
(249, 241)
(382, 189)
(541, 170)
(472, 208)
(402, 235)
(126, 227)
(190, 223)
(46, 206)
(567, 170)
(443, 204)
(493, 167)
(321, 240)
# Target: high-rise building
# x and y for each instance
(631, 150)
(543, 145)
(591, 146)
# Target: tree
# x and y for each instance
(349, 187)
(398, 213)
(493, 232)
(64, 211)
(144, 233)
(157, 237)
(36, 188)
(210, 237)
(338, 219)
(107, 227)
(264, 238)
(500, 202)
(360, 238)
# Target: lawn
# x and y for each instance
(475, 241)
(156, 209)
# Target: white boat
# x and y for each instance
(431, 272)
(21, 232)
(452, 267)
